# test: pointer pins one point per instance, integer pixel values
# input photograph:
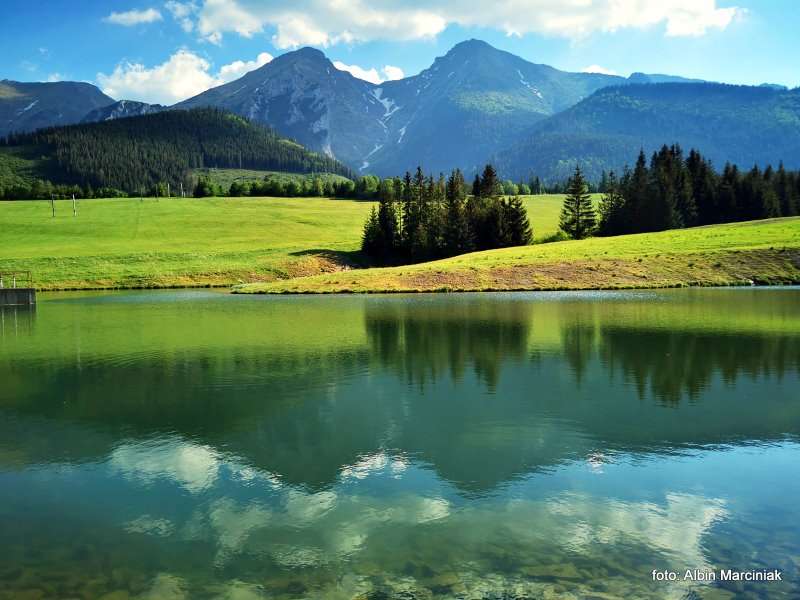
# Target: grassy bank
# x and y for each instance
(762, 252)
(125, 243)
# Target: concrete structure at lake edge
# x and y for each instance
(13, 295)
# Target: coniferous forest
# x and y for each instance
(420, 218)
(136, 154)
(674, 191)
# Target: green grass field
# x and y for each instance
(175, 242)
(311, 244)
(191, 242)
(224, 177)
(739, 253)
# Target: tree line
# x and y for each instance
(672, 192)
(421, 218)
(138, 153)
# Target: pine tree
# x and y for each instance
(612, 208)
(518, 227)
(476, 186)
(489, 183)
(371, 239)
(387, 220)
(577, 213)
(457, 238)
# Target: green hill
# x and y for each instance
(140, 152)
(743, 125)
(764, 252)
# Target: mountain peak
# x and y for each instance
(471, 46)
(305, 53)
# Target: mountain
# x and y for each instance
(303, 96)
(739, 124)
(659, 78)
(140, 152)
(469, 103)
(122, 109)
(29, 106)
(474, 100)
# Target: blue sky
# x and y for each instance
(158, 50)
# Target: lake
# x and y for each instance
(195, 444)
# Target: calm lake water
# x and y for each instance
(200, 445)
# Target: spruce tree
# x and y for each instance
(456, 230)
(387, 219)
(518, 227)
(612, 208)
(371, 239)
(577, 213)
(489, 183)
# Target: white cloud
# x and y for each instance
(370, 75)
(53, 77)
(324, 23)
(238, 68)
(182, 76)
(134, 17)
(598, 69)
(183, 13)
(392, 72)
(389, 72)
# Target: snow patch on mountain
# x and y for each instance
(27, 108)
(524, 82)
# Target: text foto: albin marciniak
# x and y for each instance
(720, 575)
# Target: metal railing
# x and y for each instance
(21, 279)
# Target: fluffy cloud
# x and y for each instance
(183, 13)
(389, 72)
(238, 68)
(323, 23)
(133, 17)
(599, 69)
(182, 76)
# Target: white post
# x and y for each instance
(74, 208)
(168, 194)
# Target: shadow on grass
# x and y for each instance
(354, 259)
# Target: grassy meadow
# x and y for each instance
(732, 254)
(311, 245)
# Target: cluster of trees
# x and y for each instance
(138, 153)
(673, 192)
(420, 218)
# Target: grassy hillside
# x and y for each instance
(741, 253)
(224, 177)
(18, 167)
(128, 243)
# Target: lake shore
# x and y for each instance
(753, 253)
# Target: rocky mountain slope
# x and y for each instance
(122, 109)
(29, 106)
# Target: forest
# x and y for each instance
(421, 218)
(140, 155)
(673, 192)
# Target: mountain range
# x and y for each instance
(474, 104)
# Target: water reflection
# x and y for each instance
(506, 446)
(16, 321)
